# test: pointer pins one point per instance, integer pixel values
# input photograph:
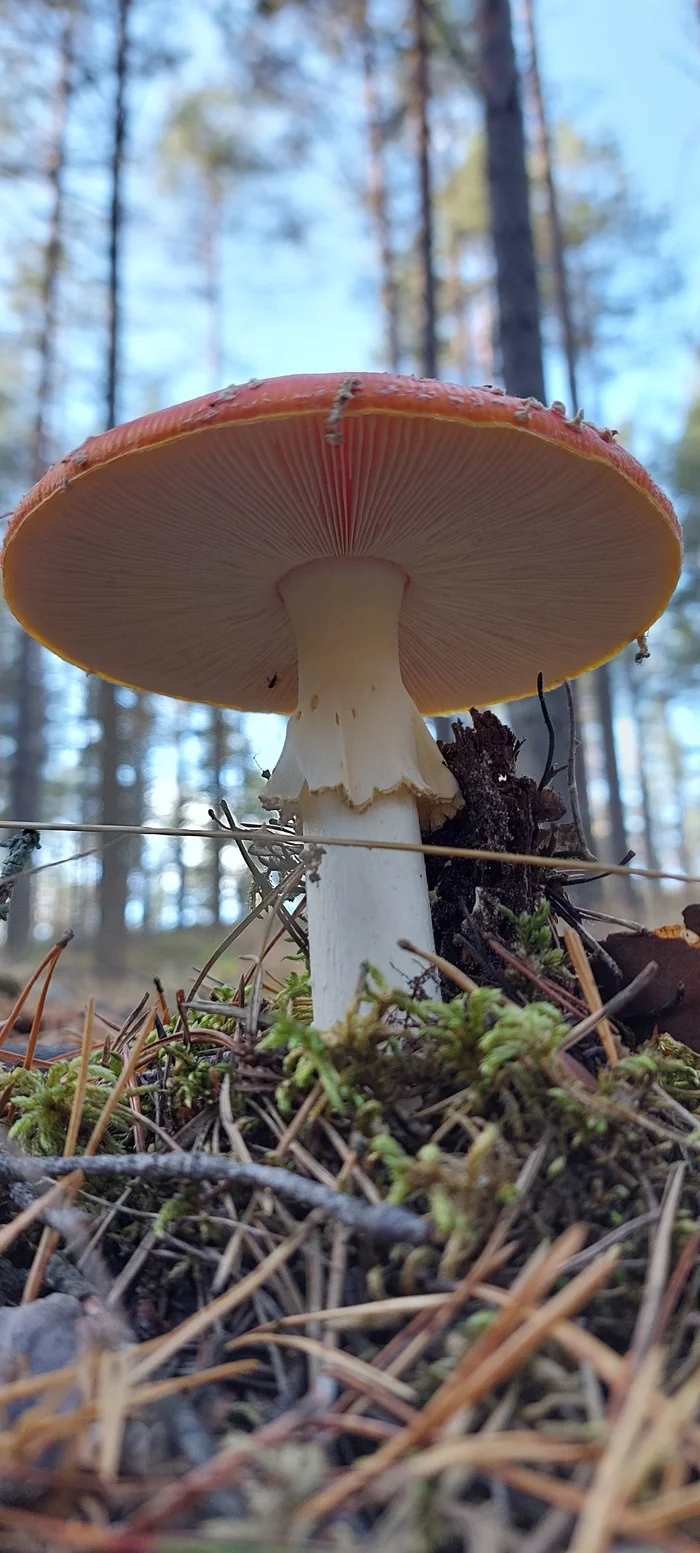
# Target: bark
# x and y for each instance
(516, 289)
(675, 784)
(113, 885)
(561, 281)
(426, 237)
(218, 737)
(652, 854)
(421, 43)
(509, 196)
(617, 834)
(25, 775)
(378, 191)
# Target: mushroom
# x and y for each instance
(356, 552)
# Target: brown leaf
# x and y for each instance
(672, 1001)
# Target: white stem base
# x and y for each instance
(364, 901)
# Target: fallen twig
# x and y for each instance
(385, 1222)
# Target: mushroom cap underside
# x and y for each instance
(152, 555)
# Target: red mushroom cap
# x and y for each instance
(531, 543)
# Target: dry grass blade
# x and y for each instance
(158, 1390)
(111, 1395)
(164, 1348)
(575, 1340)
(587, 983)
(11, 1232)
(50, 1238)
(115, 1096)
(663, 1440)
(268, 835)
(516, 1347)
(48, 962)
(492, 1358)
(478, 1451)
(645, 1332)
(357, 1371)
(39, 1010)
(223, 1469)
(669, 1509)
(446, 968)
(568, 1496)
(606, 1495)
(370, 1314)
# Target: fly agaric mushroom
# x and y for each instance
(357, 552)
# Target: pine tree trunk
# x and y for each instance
(218, 760)
(25, 775)
(617, 833)
(566, 324)
(429, 341)
(378, 191)
(113, 884)
(651, 849)
(675, 779)
(516, 287)
(509, 196)
(426, 238)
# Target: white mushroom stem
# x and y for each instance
(358, 761)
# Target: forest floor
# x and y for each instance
(424, 1282)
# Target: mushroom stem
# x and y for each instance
(358, 760)
(364, 901)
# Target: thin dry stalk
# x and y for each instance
(39, 1012)
(446, 968)
(484, 1450)
(607, 1496)
(114, 1098)
(646, 1329)
(220, 1472)
(491, 1359)
(568, 1496)
(52, 956)
(668, 1419)
(275, 837)
(191, 1329)
(678, 1280)
(11, 1232)
(355, 1371)
(587, 983)
(50, 1238)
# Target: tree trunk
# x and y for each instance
(517, 294)
(675, 781)
(217, 765)
(25, 775)
(421, 44)
(617, 833)
(509, 196)
(113, 884)
(561, 280)
(651, 850)
(378, 191)
(426, 240)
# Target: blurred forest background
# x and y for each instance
(193, 191)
